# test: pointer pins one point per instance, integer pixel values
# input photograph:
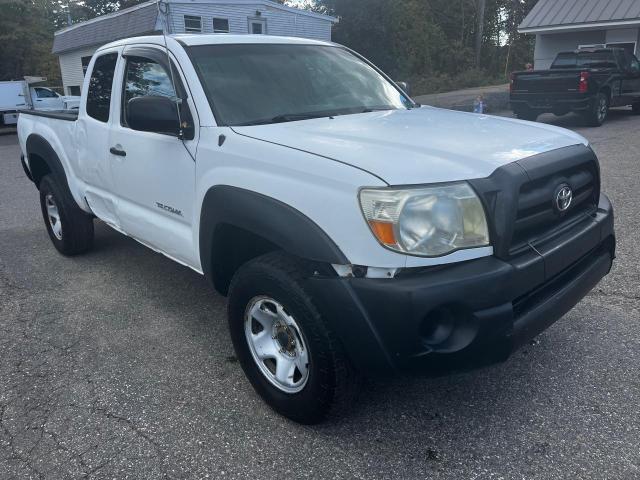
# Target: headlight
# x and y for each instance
(427, 221)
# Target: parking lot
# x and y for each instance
(118, 364)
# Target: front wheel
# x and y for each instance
(599, 111)
(287, 351)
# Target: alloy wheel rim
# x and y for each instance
(53, 215)
(276, 344)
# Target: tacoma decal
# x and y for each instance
(169, 209)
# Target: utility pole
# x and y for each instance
(69, 21)
(480, 30)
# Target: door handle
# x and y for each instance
(118, 152)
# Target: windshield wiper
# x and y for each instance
(292, 117)
(373, 109)
(288, 117)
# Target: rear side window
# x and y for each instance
(101, 86)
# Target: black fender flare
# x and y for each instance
(37, 145)
(278, 223)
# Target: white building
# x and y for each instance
(565, 25)
(76, 44)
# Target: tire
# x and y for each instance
(635, 108)
(528, 115)
(270, 288)
(70, 229)
(599, 111)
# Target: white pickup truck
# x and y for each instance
(354, 231)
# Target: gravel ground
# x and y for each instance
(118, 364)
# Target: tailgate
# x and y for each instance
(547, 81)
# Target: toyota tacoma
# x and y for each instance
(355, 232)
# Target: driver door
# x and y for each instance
(154, 173)
(631, 79)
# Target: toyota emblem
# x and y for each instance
(564, 196)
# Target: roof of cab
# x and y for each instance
(215, 39)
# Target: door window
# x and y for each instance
(145, 77)
(46, 93)
(100, 87)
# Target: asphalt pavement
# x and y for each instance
(118, 364)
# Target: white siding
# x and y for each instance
(279, 22)
(71, 67)
(548, 45)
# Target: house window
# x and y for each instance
(85, 64)
(629, 47)
(192, 24)
(74, 90)
(257, 26)
(220, 25)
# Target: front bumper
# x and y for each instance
(466, 309)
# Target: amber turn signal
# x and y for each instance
(384, 232)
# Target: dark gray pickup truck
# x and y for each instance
(585, 81)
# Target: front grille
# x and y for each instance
(519, 197)
(537, 217)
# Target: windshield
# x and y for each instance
(585, 60)
(253, 84)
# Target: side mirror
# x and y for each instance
(405, 86)
(153, 114)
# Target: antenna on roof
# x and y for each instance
(163, 11)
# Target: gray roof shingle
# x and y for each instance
(133, 21)
(558, 13)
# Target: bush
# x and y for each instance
(437, 83)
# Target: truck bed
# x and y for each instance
(68, 115)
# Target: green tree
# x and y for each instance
(26, 36)
(437, 44)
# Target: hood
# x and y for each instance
(423, 145)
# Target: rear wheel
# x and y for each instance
(289, 354)
(70, 229)
(599, 110)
